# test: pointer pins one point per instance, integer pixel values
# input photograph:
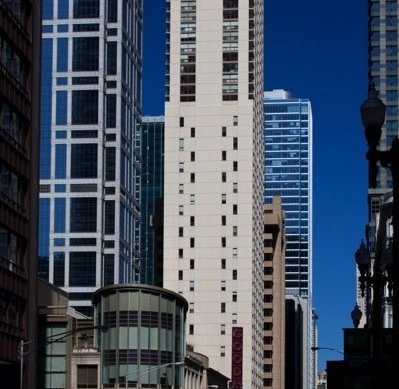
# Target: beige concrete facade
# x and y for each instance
(214, 177)
(274, 296)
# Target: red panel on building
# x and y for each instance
(236, 358)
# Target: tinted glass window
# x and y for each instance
(62, 55)
(83, 214)
(59, 269)
(85, 107)
(82, 269)
(111, 111)
(109, 217)
(60, 161)
(59, 215)
(84, 161)
(86, 9)
(110, 164)
(111, 58)
(85, 54)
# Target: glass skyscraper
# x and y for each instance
(288, 173)
(89, 217)
(152, 157)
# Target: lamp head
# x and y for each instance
(362, 257)
(356, 315)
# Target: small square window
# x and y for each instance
(180, 275)
(223, 329)
(222, 286)
(234, 252)
(192, 156)
(234, 318)
(235, 120)
(235, 187)
(234, 274)
(192, 242)
(224, 155)
(191, 329)
(181, 188)
(235, 209)
(181, 210)
(224, 131)
(192, 132)
(223, 220)
(191, 285)
(222, 307)
(235, 230)
(181, 144)
(223, 263)
(192, 199)
(224, 198)
(191, 307)
(181, 122)
(224, 177)
(234, 296)
(192, 220)
(180, 253)
(180, 232)
(223, 241)
(192, 264)
(235, 166)
(222, 351)
(192, 177)
(235, 143)
(181, 167)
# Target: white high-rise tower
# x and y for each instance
(213, 252)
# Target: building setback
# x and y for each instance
(152, 166)
(274, 296)
(288, 173)
(90, 145)
(213, 251)
(19, 135)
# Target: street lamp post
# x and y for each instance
(47, 340)
(144, 371)
(373, 117)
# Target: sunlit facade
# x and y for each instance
(90, 145)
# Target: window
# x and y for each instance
(235, 230)
(192, 199)
(192, 156)
(234, 318)
(192, 264)
(268, 312)
(223, 263)
(180, 253)
(84, 160)
(59, 269)
(224, 176)
(61, 108)
(181, 210)
(234, 274)
(112, 11)
(60, 161)
(111, 111)
(234, 252)
(192, 177)
(235, 120)
(224, 155)
(235, 166)
(83, 214)
(223, 329)
(181, 122)
(235, 209)
(224, 198)
(181, 167)
(85, 54)
(109, 217)
(192, 221)
(82, 268)
(180, 275)
(235, 143)
(224, 131)
(59, 214)
(87, 376)
(191, 329)
(222, 285)
(86, 9)
(192, 132)
(222, 351)
(181, 188)
(192, 242)
(62, 54)
(234, 296)
(110, 163)
(235, 187)
(181, 144)
(180, 232)
(268, 298)
(223, 241)
(222, 307)
(191, 285)
(191, 308)
(111, 58)
(223, 220)
(84, 107)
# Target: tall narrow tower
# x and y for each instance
(213, 251)
(90, 145)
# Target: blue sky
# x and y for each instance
(317, 49)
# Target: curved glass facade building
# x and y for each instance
(145, 329)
